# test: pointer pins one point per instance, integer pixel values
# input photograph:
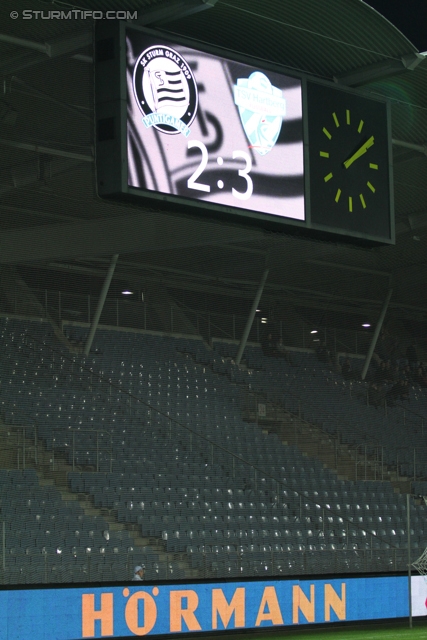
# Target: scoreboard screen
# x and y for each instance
(206, 128)
(221, 138)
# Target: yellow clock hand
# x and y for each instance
(363, 149)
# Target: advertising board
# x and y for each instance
(73, 613)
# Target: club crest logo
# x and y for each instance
(261, 108)
(165, 90)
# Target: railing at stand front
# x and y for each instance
(68, 307)
(78, 448)
(370, 459)
(79, 565)
(411, 456)
(20, 445)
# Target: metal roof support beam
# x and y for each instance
(422, 148)
(376, 334)
(251, 317)
(115, 234)
(49, 151)
(54, 49)
(90, 158)
(42, 47)
(348, 267)
(379, 70)
(101, 302)
(174, 10)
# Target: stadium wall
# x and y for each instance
(136, 610)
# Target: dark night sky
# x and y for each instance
(409, 16)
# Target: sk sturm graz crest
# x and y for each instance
(165, 90)
(261, 108)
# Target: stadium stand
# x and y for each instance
(149, 433)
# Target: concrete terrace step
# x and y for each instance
(58, 477)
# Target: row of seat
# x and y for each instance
(189, 463)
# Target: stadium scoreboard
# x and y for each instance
(207, 134)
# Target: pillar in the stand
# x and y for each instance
(251, 317)
(100, 306)
(376, 334)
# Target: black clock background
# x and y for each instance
(375, 220)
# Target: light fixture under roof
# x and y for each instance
(263, 320)
(126, 292)
(366, 325)
(314, 331)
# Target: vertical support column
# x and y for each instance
(3, 546)
(408, 524)
(251, 316)
(100, 305)
(376, 334)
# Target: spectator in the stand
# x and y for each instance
(379, 374)
(394, 373)
(138, 573)
(381, 348)
(399, 391)
(323, 355)
(393, 393)
(346, 370)
(388, 372)
(404, 394)
(268, 346)
(393, 351)
(421, 376)
(407, 373)
(282, 352)
(376, 395)
(412, 356)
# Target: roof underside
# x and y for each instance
(47, 176)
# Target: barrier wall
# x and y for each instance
(140, 609)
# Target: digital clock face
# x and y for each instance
(206, 128)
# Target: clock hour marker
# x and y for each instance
(360, 127)
(362, 200)
(328, 177)
(373, 166)
(350, 204)
(347, 115)
(327, 134)
(220, 184)
(338, 195)
(337, 124)
(220, 161)
(324, 154)
(371, 186)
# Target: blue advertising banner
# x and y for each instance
(77, 613)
